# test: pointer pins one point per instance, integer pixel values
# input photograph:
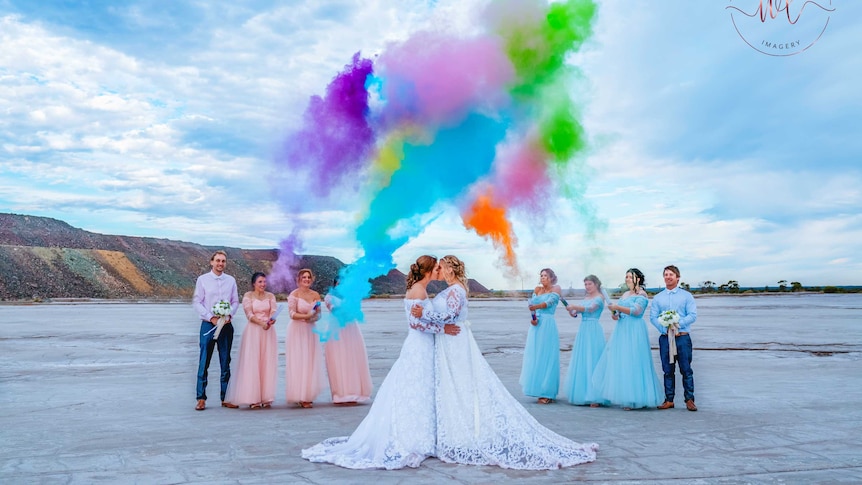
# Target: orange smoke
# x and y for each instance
(489, 220)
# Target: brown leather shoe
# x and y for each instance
(226, 404)
(690, 405)
(665, 405)
(201, 405)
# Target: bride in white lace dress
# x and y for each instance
(400, 428)
(478, 420)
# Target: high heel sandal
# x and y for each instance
(305, 405)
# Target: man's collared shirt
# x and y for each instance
(210, 289)
(675, 299)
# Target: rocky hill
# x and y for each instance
(44, 258)
(395, 282)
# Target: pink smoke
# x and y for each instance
(437, 79)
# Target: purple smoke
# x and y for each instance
(335, 139)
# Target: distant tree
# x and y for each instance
(796, 286)
(707, 286)
(722, 288)
(685, 286)
(782, 285)
(733, 286)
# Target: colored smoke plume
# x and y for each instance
(483, 122)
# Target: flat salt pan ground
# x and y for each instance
(104, 393)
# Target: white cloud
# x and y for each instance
(118, 136)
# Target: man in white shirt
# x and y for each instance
(211, 288)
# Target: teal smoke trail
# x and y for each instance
(430, 174)
(484, 122)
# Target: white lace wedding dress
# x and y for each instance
(399, 429)
(478, 421)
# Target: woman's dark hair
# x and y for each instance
(254, 278)
(640, 281)
(423, 265)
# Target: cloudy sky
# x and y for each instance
(161, 119)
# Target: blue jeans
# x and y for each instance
(683, 350)
(224, 342)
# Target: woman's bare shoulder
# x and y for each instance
(416, 294)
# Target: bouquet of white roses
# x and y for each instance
(220, 310)
(668, 318)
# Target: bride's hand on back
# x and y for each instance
(451, 329)
(416, 311)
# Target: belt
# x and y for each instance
(680, 334)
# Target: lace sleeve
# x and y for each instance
(292, 306)
(248, 307)
(592, 305)
(553, 299)
(638, 306)
(273, 305)
(422, 326)
(453, 310)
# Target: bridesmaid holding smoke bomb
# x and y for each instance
(588, 346)
(303, 352)
(540, 372)
(625, 375)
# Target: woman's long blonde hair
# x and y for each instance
(458, 269)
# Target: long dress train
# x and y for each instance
(586, 352)
(400, 428)
(540, 371)
(478, 420)
(625, 375)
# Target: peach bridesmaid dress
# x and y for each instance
(303, 356)
(255, 378)
(347, 364)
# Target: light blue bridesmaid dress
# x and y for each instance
(586, 352)
(625, 375)
(540, 372)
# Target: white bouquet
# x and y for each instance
(668, 318)
(220, 310)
